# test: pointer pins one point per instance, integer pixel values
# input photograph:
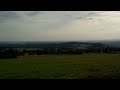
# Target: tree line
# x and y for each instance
(13, 53)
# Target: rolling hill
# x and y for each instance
(79, 45)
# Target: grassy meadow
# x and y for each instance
(90, 66)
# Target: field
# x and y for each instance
(91, 66)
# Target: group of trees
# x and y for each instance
(13, 53)
(8, 53)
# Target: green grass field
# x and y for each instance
(92, 66)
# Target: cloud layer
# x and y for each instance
(59, 25)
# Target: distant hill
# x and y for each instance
(113, 44)
(80, 45)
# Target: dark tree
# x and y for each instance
(8, 53)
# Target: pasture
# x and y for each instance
(89, 66)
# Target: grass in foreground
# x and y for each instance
(92, 66)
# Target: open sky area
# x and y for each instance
(59, 25)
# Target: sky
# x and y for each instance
(59, 25)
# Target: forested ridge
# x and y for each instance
(74, 48)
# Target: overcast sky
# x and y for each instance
(59, 25)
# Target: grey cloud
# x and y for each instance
(14, 14)
(79, 17)
(46, 19)
(33, 13)
(5, 15)
(43, 25)
(88, 16)
(92, 13)
(9, 15)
